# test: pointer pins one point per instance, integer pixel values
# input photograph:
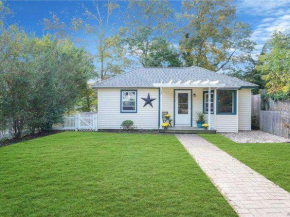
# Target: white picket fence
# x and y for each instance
(85, 121)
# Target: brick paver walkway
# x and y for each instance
(248, 192)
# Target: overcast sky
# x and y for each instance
(264, 16)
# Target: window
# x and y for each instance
(226, 102)
(182, 103)
(128, 101)
(205, 102)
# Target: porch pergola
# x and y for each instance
(190, 84)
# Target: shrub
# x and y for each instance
(127, 125)
(40, 79)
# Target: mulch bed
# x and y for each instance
(27, 137)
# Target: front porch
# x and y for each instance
(187, 130)
(183, 106)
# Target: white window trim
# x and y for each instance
(205, 101)
(121, 103)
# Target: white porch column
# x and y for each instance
(214, 104)
(160, 107)
(209, 106)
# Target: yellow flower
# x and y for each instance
(167, 116)
(165, 125)
(205, 125)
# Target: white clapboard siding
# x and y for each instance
(226, 123)
(244, 109)
(197, 104)
(167, 101)
(110, 117)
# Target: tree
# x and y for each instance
(162, 54)
(275, 65)
(4, 12)
(40, 79)
(250, 74)
(211, 37)
(89, 100)
(96, 21)
(146, 31)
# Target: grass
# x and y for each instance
(272, 160)
(105, 174)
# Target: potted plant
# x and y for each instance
(165, 125)
(200, 119)
(205, 126)
(167, 116)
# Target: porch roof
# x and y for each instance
(190, 83)
(173, 77)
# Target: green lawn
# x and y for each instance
(105, 174)
(271, 160)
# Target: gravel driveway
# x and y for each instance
(255, 136)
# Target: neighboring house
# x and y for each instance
(182, 92)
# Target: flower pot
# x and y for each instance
(165, 128)
(167, 118)
(199, 124)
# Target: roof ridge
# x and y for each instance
(163, 67)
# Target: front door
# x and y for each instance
(182, 108)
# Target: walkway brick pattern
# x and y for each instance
(248, 192)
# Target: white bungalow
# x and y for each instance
(180, 92)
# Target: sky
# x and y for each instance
(264, 16)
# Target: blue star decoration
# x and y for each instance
(148, 100)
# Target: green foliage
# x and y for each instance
(146, 32)
(40, 79)
(250, 74)
(275, 66)
(105, 174)
(127, 125)
(200, 116)
(264, 100)
(96, 21)
(88, 101)
(162, 54)
(211, 37)
(4, 12)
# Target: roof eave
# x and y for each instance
(250, 87)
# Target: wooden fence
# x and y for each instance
(275, 120)
(85, 121)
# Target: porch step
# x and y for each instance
(187, 131)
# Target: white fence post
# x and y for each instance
(95, 116)
(77, 121)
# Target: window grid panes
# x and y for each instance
(206, 103)
(128, 101)
(182, 103)
(226, 102)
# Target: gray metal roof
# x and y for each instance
(145, 77)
